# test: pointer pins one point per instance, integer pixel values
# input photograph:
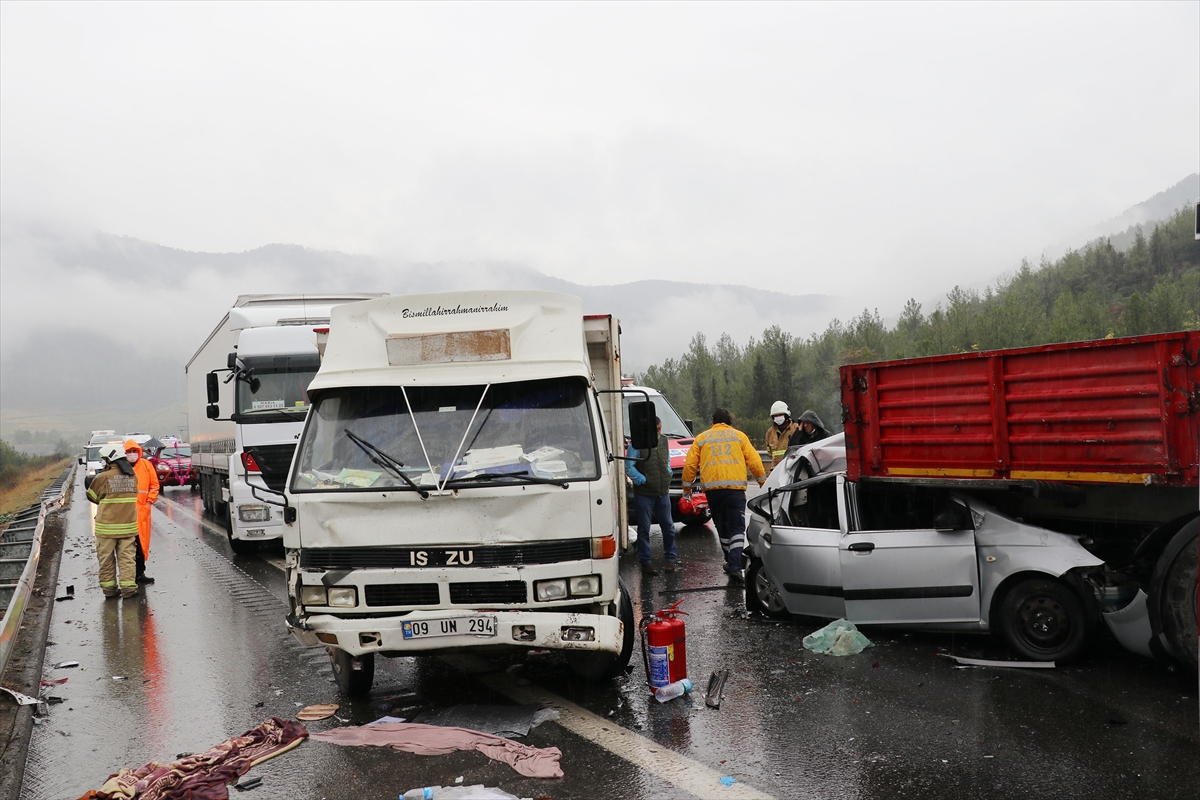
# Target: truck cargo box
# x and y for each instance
(1108, 411)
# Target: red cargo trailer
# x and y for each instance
(1096, 438)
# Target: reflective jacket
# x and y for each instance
(148, 488)
(777, 441)
(722, 456)
(116, 494)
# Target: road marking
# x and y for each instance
(641, 751)
(214, 528)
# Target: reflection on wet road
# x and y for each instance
(203, 655)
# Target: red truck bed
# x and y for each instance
(1112, 410)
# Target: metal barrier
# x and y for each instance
(20, 552)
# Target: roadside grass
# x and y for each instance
(27, 488)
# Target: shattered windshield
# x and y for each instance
(525, 432)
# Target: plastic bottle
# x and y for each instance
(673, 690)
(424, 793)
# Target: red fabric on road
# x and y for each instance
(203, 776)
(435, 740)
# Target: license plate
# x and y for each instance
(453, 626)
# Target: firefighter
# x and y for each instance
(148, 488)
(115, 491)
(721, 457)
(779, 434)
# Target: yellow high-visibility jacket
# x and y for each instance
(777, 441)
(117, 496)
(722, 456)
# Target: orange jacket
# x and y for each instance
(148, 488)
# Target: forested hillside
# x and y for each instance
(1150, 287)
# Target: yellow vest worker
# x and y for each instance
(115, 492)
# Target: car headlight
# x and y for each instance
(343, 596)
(313, 596)
(254, 513)
(585, 586)
(551, 590)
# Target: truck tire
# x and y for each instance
(1173, 587)
(1043, 620)
(353, 675)
(606, 666)
(762, 593)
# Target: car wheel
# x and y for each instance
(1174, 586)
(606, 666)
(1043, 620)
(762, 593)
(353, 674)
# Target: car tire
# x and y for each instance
(1043, 620)
(606, 666)
(353, 675)
(762, 593)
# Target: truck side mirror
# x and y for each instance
(231, 362)
(81, 461)
(691, 430)
(212, 411)
(213, 385)
(643, 433)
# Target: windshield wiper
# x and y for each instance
(389, 463)
(520, 476)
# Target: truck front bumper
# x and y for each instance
(541, 630)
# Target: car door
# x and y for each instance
(800, 548)
(911, 558)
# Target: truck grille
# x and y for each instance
(274, 460)
(402, 594)
(489, 592)
(677, 478)
(509, 555)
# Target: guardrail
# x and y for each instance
(20, 552)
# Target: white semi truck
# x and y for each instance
(247, 399)
(458, 485)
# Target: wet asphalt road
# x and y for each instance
(203, 656)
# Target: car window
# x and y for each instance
(815, 506)
(889, 506)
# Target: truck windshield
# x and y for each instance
(282, 388)
(528, 431)
(672, 425)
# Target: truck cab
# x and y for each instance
(455, 487)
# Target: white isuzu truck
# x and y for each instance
(247, 399)
(458, 487)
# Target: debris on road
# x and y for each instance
(838, 638)
(65, 664)
(476, 792)
(964, 662)
(316, 712)
(728, 780)
(506, 721)
(432, 740)
(204, 774)
(716, 688)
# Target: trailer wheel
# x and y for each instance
(353, 674)
(1174, 584)
(605, 666)
(1043, 620)
(762, 593)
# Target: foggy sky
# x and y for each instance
(867, 152)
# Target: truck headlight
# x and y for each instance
(313, 596)
(343, 596)
(254, 513)
(585, 586)
(551, 590)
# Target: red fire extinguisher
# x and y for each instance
(664, 647)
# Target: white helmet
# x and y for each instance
(112, 451)
(779, 407)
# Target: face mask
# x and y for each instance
(131, 457)
(779, 420)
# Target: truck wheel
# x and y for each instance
(354, 675)
(1174, 587)
(1043, 620)
(605, 666)
(762, 593)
